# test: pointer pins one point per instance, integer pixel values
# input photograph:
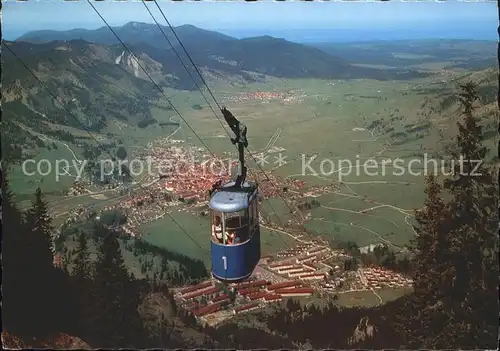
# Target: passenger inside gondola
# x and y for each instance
(230, 237)
(233, 238)
(236, 222)
(217, 229)
(237, 239)
(237, 228)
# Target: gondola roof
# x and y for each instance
(229, 199)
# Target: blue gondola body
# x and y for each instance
(236, 261)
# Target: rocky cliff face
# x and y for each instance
(363, 332)
(60, 341)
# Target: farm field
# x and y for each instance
(167, 234)
(365, 298)
(170, 144)
(366, 198)
(322, 124)
(327, 120)
(25, 185)
(369, 298)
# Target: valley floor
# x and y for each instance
(333, 145)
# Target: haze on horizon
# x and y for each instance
(296, 21)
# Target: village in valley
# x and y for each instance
(309, 270)
(180, 179)
(291, 96)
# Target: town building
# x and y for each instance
(306, 259)
(290, 270)
(249, 291)
(280, 266)
(316, 251)
(258, 295)
(220, 298)
(288, 284)
(195, 287)
(299, 273)
(207, 310)
(255, 283)
(295, 292)
(246, 308)
(272, 298)
(209, 292)
(313, 276)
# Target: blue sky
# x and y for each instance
(239, 18)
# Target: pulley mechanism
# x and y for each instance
(240, 132)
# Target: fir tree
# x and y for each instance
(472, 289)
(11, 216)
(40, 227)
(15, 267)
(163, 331)
(431, 244)
(431, 262)
(455, 302)
(41, 274)
(116, 319)
(82, 283)
(36, 297)
(82, 264)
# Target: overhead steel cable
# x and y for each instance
(159, 89)
(194, 80)
(184, 65)
(197, 70)
(150, 78)
(92, 136)
(220, 108)
(186, 52)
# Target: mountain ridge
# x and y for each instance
(149, 33)
(88, 70)
(263, 54)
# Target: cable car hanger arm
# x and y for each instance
(240, 131)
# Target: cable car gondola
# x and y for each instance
(235, 232)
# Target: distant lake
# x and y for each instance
(468, 31)
(450, 30)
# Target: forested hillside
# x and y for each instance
(455, 269)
